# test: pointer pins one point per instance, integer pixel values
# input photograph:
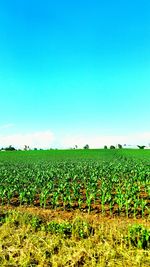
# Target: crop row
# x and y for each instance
(120, 186)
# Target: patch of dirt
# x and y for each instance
(61, 215)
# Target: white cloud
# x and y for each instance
(43, 139)
(97, 141)
(6, 126)
(46, 139)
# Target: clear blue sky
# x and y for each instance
(75, 67)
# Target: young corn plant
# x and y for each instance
(64, 198)
(22, 196)
(70, 200)
(31, 195)
(111, 203)
(2, 194)
(143, 206)
(89, 198)
(127, 204)
(135, 206)
(119, 198)
(80, 202)
(54, 199)
(43, 197)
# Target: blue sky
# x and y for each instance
(74, 70)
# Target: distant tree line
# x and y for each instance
(9, 148)
(119, 146)
(141, 147)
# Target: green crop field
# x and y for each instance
(102, 184)
(109, 181)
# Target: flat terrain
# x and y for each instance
(75, 208)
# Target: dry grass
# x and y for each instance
(22, 244)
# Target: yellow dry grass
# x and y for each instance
(23, 245)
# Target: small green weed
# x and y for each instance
(81, 229)
(59, 228)
(139, 236)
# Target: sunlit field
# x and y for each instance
(75, 208)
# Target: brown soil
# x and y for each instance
(61, 215)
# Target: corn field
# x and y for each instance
(113, 183)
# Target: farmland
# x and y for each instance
(101, 187)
